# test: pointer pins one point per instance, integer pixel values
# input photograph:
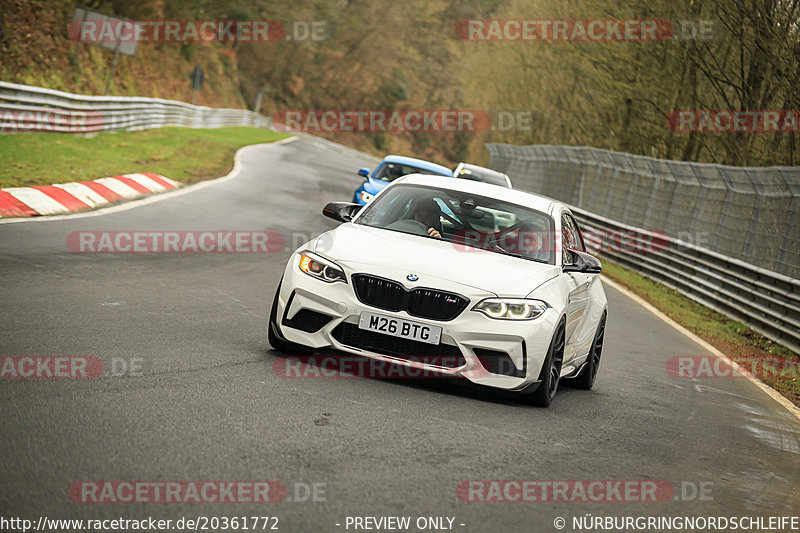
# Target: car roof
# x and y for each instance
(482, 174)
(469, 166)
(514, 196)
(419, 163)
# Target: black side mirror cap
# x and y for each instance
(341, 211)
(583, 263)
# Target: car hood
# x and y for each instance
(441, 264)
(374, 186)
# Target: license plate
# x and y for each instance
(399, 327)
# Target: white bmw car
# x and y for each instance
(455, 277)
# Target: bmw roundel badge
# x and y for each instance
(412, 277)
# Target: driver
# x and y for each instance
(394, 171)
(427, 212)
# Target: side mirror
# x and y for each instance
(341, 211)
(582, 262)
(363, 172)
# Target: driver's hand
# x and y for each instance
(433, 233)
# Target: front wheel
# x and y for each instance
(551, 371)
(585, 379)
(276, 340)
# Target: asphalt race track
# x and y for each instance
(204, 402)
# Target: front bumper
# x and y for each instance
(502, 354)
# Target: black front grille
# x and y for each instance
(379, 292)
(444, 355)
(422, 302)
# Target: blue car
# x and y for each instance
(391, 168)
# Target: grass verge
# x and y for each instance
(772, 363)
(182, 154)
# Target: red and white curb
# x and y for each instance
(79, 196)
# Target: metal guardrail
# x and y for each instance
(24, 108)
(750, 213)
(767, 301)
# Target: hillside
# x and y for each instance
(36, 50)
(381, 55)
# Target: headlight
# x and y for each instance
(364, 196)
(511, 308)
(320, 268)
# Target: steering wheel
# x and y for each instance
(463, 223)
(498, 236)
(408, 225)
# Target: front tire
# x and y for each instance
(585, 380)
(551, 370)
(276, 340)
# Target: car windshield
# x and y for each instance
(392, 171)
(486, 176)
(464, 219)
